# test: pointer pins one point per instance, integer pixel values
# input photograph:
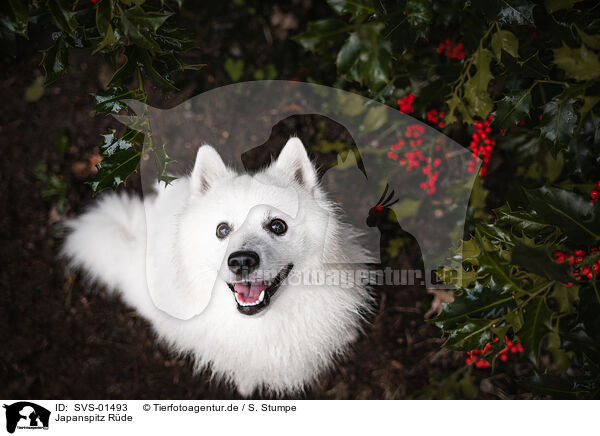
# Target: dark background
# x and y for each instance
(61, 337)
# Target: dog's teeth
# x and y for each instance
(261, 297)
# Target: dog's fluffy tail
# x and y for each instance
(108, 241)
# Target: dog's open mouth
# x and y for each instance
(252, 297)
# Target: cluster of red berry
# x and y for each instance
(406, 104)
(595, 194)
(578, 256)
(475, 356)
(482, 145)
(452, 50)
(435, 118)
(413, 157)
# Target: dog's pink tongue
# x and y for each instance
(249, 292)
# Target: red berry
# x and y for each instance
(504, 357)
(482, 364)
(595, 194)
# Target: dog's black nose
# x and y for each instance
(240, 262)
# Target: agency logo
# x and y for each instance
(26, 415)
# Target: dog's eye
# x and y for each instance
(277, 226)
(223, 230)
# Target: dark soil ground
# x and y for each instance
(61, 337)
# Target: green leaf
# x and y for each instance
(234, 68)
(20, 13)
(507, 41)
(480, 102)
(111, 144)
(125, 71)
(322, 34)
(592, 41)
(155, 77)
(104, 14)
(559, 122)
(357, 8)
(375, 118)
(115, 169)
(108, 43)
(138, 35)
(538, 260)
(490, 263)
(376, 69)
(537, 324)
(515, 320)
(589, 102)
(470, 335)
(110, 101)
(419, 12)
(63, 18)
(55, 61)
(515, 106)
(174, 38)
(558, 5)
(566, 297)
(515, 12)
(349, 53)
(161, 160)
(146, 22)
(572, 212)
(562, 387)
(578, 63)
(523, 221)
(480, 302)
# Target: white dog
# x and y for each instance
(209, 261)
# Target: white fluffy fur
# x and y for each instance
(162, 256)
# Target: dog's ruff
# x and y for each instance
(163, 257)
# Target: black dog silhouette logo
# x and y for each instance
(26, 415)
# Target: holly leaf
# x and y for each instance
(161, 160)
(480, 102)
(469, 335)
(322, 34)
(355, 8)
(507, 41)
(104, 14)
(516, 12)
(558, 5)
(349, 53)
(574, 214)
(55, 60)
(566, 297)
(112, 144)
(115, 169)
(523, 221)
(537, 258)
(592, 41)
(174, 38)
(110, 101)
(419, 12)
(515, 106)
(480, 302)
(138, 34)
(578, 63)
(19, 20)
(559, 122)
(537, 324)
(63, 18)
(155, 77)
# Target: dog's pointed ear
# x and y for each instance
(293, 161)
(209, 168)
